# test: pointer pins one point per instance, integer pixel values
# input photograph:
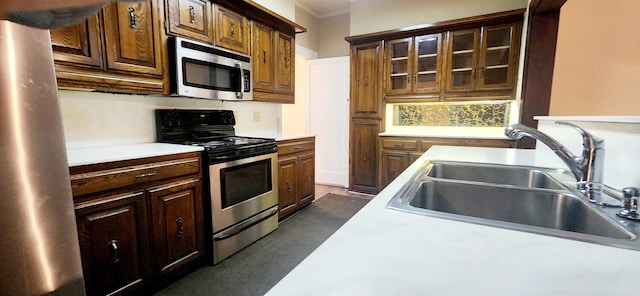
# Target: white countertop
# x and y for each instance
(292, 137)
(386, 252)
(93, 155)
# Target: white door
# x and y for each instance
(329, 118)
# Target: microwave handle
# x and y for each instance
(240, 95)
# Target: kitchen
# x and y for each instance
(86, 124)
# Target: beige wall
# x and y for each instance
(368, 16)
(332, 32)
(285, 8)
(597, 70)
(310, 38)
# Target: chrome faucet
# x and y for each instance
(587, 168)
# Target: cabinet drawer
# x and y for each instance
(287, 147)
(490, 143)
(400, 144)
(124, 176)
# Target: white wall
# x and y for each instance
(368, 16)
(285, 8)
(621, 136)
(93, 119)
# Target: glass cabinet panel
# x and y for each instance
(496, 56)
(399, 77)
(463, 50)
(426, 74)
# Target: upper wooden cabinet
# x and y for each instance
(483, 58)
(414, 65)
(190, 19)
(231, 30)
(366, 74)
(285, 63)
(263, 54)
(118, 49)
(273, 65)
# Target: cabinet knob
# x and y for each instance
(232, 29)
(264, 56)
(307, 179)
(288, 186)
(113, 251)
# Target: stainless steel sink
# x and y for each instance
(529, 199)
(520, 176)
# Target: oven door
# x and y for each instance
(241, 189)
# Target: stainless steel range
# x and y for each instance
(240, 173)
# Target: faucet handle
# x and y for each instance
(630, 203)
(589, 141)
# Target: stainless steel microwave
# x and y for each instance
(203, 71)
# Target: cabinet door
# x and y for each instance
(287, 181)
(366, 94)
(132, 45)
(191, 19)
(399, 66)
(393, 163)
(427, 63)
(113, 236)
(285, 63)
(79, 44)
(263, 66)
(497, 57)
(177, 228)
(462, 59)
(364, 156)
(232, 30)
(307, 178)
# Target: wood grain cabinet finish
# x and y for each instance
(398, 153)
(190, 19)
(296, 175)
(140, 222)
(231, 30)
(119, 49)
(273, 65)
(365, 112)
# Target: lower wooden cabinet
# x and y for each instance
(140, 222)
(113, 234)
(363, 156)
(296, 175)
(400, 152)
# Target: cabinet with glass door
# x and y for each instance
(483, 58)
(413, 65)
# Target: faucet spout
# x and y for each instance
(587, 168)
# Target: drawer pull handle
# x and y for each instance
(113, 252)
(399, 145)
(297, 147)
(145, 175)
(307, 179)
(288, 186)
(180, 226)
(133, 20)
(192, 15)
(233, 30)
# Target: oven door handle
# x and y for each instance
(231, 232)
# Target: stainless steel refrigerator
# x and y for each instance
(39, 251)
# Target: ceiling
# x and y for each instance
(324, 8)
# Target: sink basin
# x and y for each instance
(520, 176)
(521, 198)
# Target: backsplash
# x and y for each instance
(621, 136)
(484, 114)
(93, 119)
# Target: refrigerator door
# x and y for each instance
(39, 250)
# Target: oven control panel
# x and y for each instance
(176, 118)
